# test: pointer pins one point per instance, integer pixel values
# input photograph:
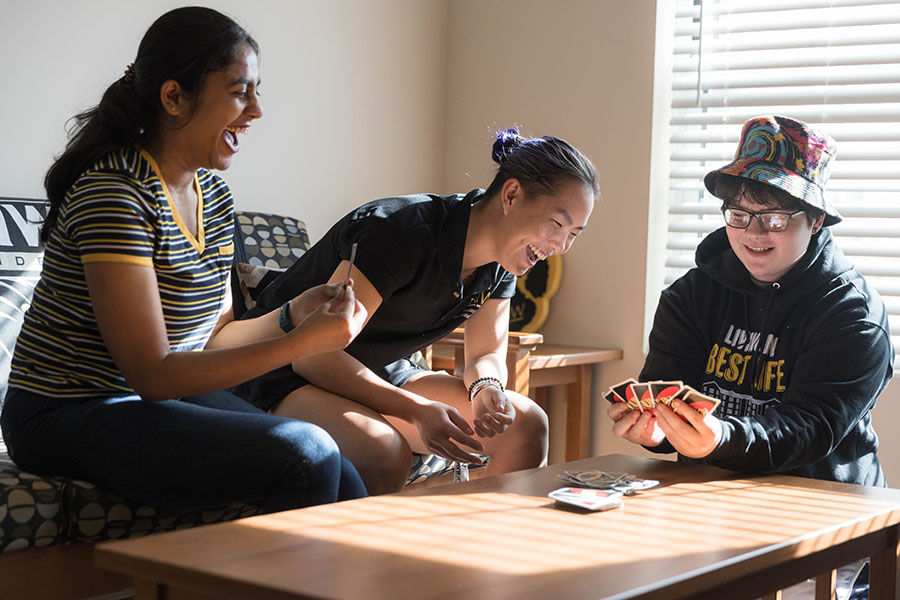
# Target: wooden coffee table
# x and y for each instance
(703, 533)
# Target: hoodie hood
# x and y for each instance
(823, 260)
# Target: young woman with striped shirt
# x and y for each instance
(118, 371)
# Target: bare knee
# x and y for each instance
(535, 427)
(527, 441)
(384, 466)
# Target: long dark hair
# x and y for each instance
(183, 45)
(540, 164)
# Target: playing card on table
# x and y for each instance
(619, 482)
(589, 499)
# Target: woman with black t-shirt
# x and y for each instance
(424, 265)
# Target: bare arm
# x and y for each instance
(126, 304)
(230, 332)
(486, 340)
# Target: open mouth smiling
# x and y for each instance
(535, 254)
(231, 136)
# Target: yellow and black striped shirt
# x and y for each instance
(120, 211)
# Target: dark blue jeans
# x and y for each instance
(201, 451)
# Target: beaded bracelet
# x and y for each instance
(483, 382)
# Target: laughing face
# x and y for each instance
(225, 109)
(769, 255)
(544, 225)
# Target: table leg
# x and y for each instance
(539, 395)
(578, 415)
(518, 372)
(772, 596)
(147, 590)
(826, 585)
(883, 571)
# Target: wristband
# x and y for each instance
(284, 317)
(483, 382)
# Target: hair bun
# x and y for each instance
(507, 140)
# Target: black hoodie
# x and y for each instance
(816, 343)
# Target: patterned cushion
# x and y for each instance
(30, 508)
(266, 240)
(39, 511)
(252, 280)
(95, 515)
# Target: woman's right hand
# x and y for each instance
(439, 425)
(334, 322)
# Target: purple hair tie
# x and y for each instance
(507, 139)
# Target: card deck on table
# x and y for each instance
(587, 498)
(696, 400)
(617, 482)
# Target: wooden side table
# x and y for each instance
(533, 367)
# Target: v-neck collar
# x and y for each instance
(199, 242)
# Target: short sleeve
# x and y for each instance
(108, 219)
(383, 254)
(506, 288)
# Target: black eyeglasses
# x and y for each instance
(768, 221)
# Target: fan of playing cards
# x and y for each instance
(644, 396)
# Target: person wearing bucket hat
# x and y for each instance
(786, 154)
(774, 322)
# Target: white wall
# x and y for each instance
(366, 98)
(352, 91)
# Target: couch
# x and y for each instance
(48, 524)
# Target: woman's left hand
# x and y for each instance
(695, 439)
(493, 411)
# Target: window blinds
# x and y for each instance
(833, 63)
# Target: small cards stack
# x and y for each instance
(624, 483)
(644, 396)
(587, 498)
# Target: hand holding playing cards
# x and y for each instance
(634, 426)
(493, 411)
(439, 425)
(303, 305)
(335, 322)
(695, 438)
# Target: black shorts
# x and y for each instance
(268, 390)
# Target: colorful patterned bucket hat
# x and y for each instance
(787, 154)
